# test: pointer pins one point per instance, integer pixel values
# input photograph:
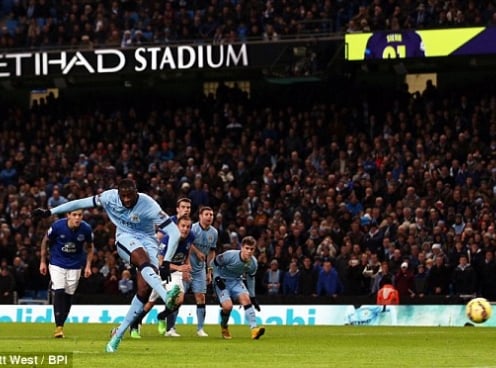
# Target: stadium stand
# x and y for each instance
(337, 168)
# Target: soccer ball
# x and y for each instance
(478, 310)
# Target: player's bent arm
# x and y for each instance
(90, 249)
(198, 253)
(210, 258)
(159, 235)
(76, 204)
(217, 261)
(170, 228)
(250, 284)
(43, 255)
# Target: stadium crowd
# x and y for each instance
(337, 194)
(72, 23)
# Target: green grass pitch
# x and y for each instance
(281, 346)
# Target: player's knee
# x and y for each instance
(227, 306)
(200, 298)
(139, 257)
(146, 264)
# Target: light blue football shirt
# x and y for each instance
(205, 240)
(138, 221)
(230, 266)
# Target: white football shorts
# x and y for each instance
(63, 278)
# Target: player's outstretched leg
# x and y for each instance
(172, 297)
(114, 342)
(135, 309)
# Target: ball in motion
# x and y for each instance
(478, 310)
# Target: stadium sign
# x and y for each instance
(110, 61)
(406, 44)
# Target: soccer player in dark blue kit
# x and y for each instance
(183, 207)
(70, 244)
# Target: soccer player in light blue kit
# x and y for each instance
(202, 252)
(136, 217)
(180, 270)
(230, 269)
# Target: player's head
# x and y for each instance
(183, 207)
(248, 245)
(184, 225)
(128, 193)
(206, 216)
(74, 218)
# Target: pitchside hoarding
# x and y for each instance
(285, 315)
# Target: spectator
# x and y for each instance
(370, 271)
(110, 263)
(308, 278)
(353, 279)
(404, 282)
(438, 279)
(56, 198)
(111, 283)
(464, 279)
(273, 278)
(488, 276)
(20, 273)
(459, 224)
(126, 284)
(7, 286)
(328, 282)
(226, 175)
(383, 271)
(198, 195)
(8, 175)
(373, 238)
(291, 280)
(419, 280)
(387, 294)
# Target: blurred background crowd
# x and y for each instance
(127, 23)
(405, 187)
(339, 193)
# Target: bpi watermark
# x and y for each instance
(52, 359)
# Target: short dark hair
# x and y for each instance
(205, 208)
(127, 184)
(248, 240)
(183, 199)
